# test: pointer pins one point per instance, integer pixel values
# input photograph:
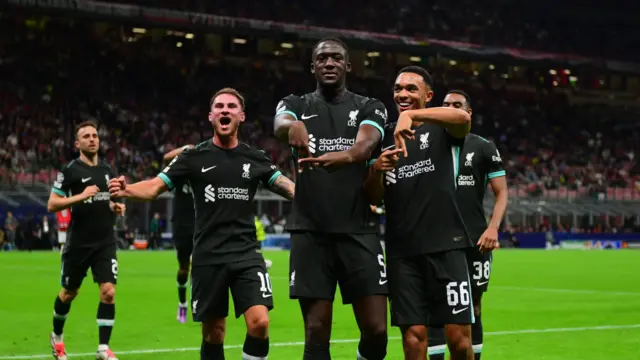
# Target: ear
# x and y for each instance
(470, 111)
(313, 68)
(347, 66)
(77, 144)
(211, 117)
(242, 116)
(429, 96)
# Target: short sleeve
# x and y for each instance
(291, 105)
(177, 171)
(386, 144)
(267, 171)
(63, 181)
(493, 160)
(374, 113)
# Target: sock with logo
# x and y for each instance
(182, 287)
(210, 351)
(60, 313)
(437, 343)
(255, 348)
(106, 318)
(476, 337)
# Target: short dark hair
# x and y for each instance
(466, 96)
(230, 91)
(332, 39)
(428, 80)
(85, 124)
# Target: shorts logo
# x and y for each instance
(469, 159)
(424, 141)
(458, 311)
(209, 196)
(245, 171)
(353, 118)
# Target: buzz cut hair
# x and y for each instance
(426, 77)
(466, 96)
(230, 91)
(332, 39)
(84, 124)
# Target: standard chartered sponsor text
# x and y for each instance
(421, 167)
(466, 180)
(233, 193)
(337, 144)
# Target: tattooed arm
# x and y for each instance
(283, 187)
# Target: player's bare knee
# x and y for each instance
(67, 296)
(317, 329)
(414, 337)
(458, 339)
(214, 331)
(375, 330)
(183, 270)
(107, 293)
(258, 326)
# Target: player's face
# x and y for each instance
(411, 92)
(330, 65)
(456, 101)
(87, 140)
(226, 115)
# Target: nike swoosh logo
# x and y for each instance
(264, 295)
(305, 117)
(481, 283)
(382, 282)
(85, 180)
(456, 311)
(207, 169)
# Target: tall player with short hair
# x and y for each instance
(224, 175)
(425, 236)
(480, 164)
(183, 223)
(333, 132)
(82, 188)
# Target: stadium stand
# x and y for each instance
(566, 130)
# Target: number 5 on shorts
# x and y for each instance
(114, 268)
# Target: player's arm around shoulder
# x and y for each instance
(58, 199)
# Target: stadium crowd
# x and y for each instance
(151, 96)
(592, 28)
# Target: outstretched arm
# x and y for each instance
(284, 187)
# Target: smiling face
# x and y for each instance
(330, 64)
(226, 115)
(411, 92)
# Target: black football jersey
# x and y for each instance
(224, 183)
(421, 211)
(332, 201)
(480, 161)
(92, 220)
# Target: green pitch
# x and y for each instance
(540, 305)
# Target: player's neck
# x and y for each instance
(91, 160)
(225, 142)
(332, 94)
